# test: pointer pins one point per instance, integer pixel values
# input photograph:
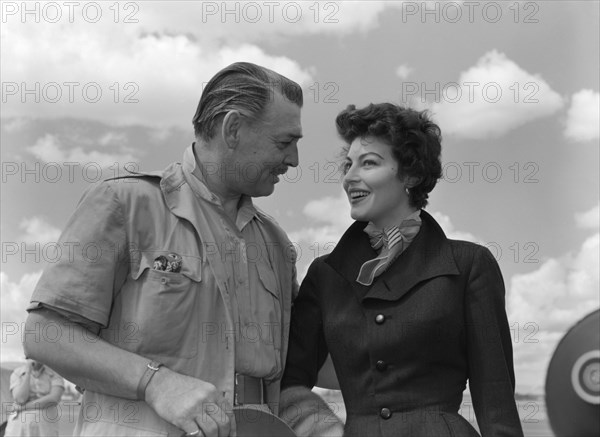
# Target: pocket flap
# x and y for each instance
(267, 277)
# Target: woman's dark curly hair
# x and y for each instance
(414, 138)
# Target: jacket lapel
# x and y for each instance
(428, 256)
(350, 253)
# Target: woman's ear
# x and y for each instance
(411, 181)
(230, 129)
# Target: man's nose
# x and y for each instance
(291, 158)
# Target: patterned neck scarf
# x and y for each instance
(392, 241)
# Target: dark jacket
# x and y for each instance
(404, 347)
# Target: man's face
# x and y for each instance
(268, 146)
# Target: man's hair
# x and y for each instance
(415, 141)
(244, 87)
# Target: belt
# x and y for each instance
(249, 390)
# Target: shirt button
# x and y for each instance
(163, 280)
(379, 319)
(381, 365)
(385, 413)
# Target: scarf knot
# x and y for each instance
(392, 241)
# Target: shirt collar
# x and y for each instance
(195, 177)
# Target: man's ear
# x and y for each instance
(230, 128)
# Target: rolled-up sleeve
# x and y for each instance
(90, 257)
(490, 358)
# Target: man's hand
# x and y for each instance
(190, 404)
(186, 402)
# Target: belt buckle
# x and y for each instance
(239, 392)
(236, 389)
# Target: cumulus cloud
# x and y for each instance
(256, 21)
(448, 228)
(583, 116)
(492, 98)
(543, 304)
(148, 79)
(37, 230)
(113, 138)
(589, 219)
(49, 149)
(15, 298)
(330, 217)
(403, 71)
(14, 124)
(150, 70)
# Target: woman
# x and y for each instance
(35, 386)
(407, 315)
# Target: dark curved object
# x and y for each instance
(573, 381)
(253, 422)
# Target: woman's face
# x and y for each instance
(371, 181)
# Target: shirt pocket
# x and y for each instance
(165, 306)
(267, 278)
(269, 308)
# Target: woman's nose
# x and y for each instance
(351, 175)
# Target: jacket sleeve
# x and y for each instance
(489, 349)
(307, 349)
(303, 410)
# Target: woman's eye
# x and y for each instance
(344, 167)
(369, 162)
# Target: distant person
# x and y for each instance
(184, 312)
(36, 390)
(408, 315)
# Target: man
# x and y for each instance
(181, 309)
(36, 391)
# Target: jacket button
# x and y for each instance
(385, 413)
(381, 365)
(379, 319)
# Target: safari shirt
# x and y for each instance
(227, 309)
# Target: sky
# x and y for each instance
(91, 88)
